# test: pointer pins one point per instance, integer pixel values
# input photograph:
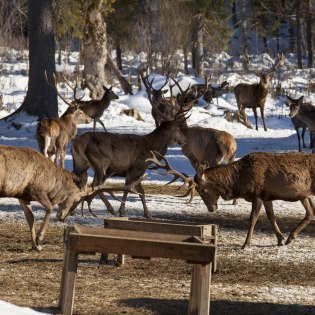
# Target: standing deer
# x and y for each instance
(53, 134)
(205, 147)
(259, 178)
(95, 108)
(111, 154)
(304, 112)
(29, 176)
(160, 108)
(254, 95)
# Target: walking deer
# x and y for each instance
(29, 176)
(111, 154)
(53, 134)
(305, 112)
(259, 178)
(95, 108)
(254, 95)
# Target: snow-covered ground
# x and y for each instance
(280, 137)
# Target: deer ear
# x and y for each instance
(300, 100)
(105, 88)
(286, 103)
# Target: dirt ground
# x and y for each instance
(265, 279)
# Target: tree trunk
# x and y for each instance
(41, 98)
(243, 29)
(95, 50)
(309, 35)
(298, 36)
(123, 82)
(197, 45)
(118, 56)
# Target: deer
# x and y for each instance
(112, 154)
(161, 110)
(254, 95)
(53, 134)
(205, 147)
(95, 108)
(303, 112)
(259, 178)
(29, 176)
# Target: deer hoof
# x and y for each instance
(37, 248)
(289, 240)
(246, 246)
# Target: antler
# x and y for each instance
(156, 157)
(54, 85)
(277, 64)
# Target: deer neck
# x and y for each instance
(306, 113)
(224, 179)
(159, 140)
(71, 125)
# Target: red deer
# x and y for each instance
(95, 108)
(259, 178)
(160, 108)
(305, 112)
(254, 95)
(53, 134)
(29, 176)
(112, 154)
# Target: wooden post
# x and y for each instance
(200, 290)
(69, 272)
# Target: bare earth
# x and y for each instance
(265, 279)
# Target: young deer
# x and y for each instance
(53, 134)
(95, 108)
(305, 112)
(29, 176)
(254, 95)
(259, 178)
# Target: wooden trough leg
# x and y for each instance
(199, 302)
(69, 272)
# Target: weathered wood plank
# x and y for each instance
(196, 253)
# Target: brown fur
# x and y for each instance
(305, 112)
(253, 96)
(53, 134)
(260, 178)
(29, 176)
(95, 108)
(111, 154)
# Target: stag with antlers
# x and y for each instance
(259, 178)
(254, 95)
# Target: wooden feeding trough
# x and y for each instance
(140, 242)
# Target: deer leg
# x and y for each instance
(271, 217)
(122, 212)
(256, 117)
(263, 117)
(44, 201)
(27, 208)
(99, 120)
(303, 134)
(256, 207)
(47, 141)
(310, 209)
(299, 138)
(107, 204)
(140, 190)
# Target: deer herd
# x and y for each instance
(259, 178)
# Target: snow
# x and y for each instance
(280, 137)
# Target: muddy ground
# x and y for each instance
(265, 279)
